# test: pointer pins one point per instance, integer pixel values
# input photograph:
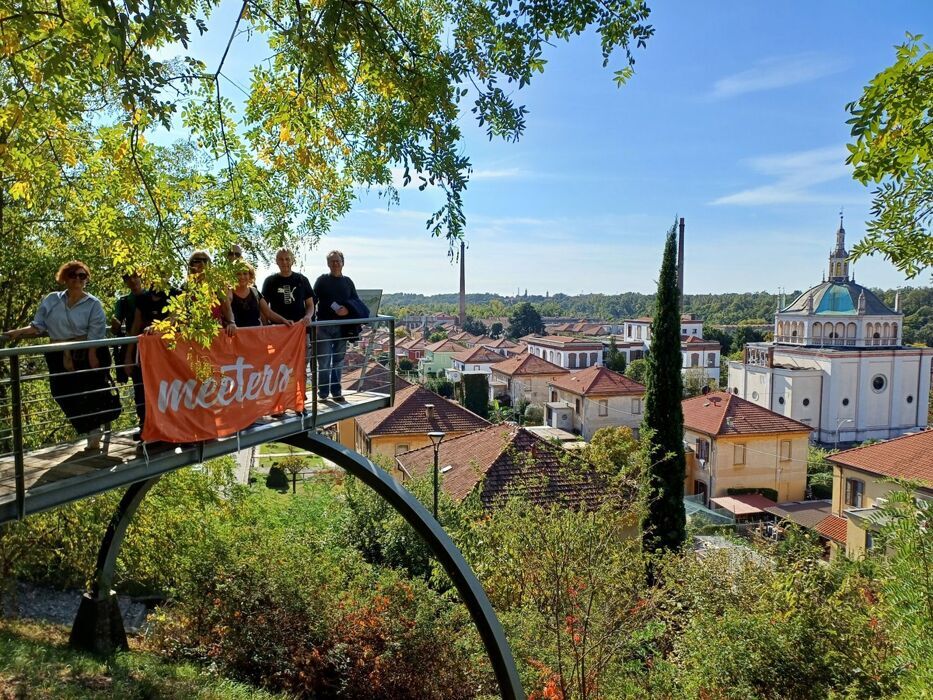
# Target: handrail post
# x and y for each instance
(313, 377)
(18, 466)
(391, 361)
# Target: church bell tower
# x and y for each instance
(838, 263)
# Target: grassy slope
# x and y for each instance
(35, 662)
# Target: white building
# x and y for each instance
(837, 363)
(564, 351)
(698, 354)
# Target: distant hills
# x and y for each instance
(730, 308)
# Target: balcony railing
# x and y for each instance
(43, 458)
(827, 342)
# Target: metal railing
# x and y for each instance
(51, 398)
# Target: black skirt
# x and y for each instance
(86, 396)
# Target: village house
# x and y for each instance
(405, 426)
(504, 347)
(523, 378)
(582, 402)
(500, 461)
(862, 483)
(699, 355)
(438, 357)
(564, 351)
(477, 360)
(736, 444)
(412, 348)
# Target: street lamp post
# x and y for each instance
(436, 437)
(839, 424)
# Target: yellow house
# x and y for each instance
(405, 426)
(861, 483)
(736, 444)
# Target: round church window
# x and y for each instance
(845, 402)
(910, 399)
(806, 402)
(781, 400)
(878, 383)
(735, 390)
(755, 395)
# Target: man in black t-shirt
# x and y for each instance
(289, 293)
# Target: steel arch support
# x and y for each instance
(98, 625)
(472, 593)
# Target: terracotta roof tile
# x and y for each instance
(376, 379)
(906, 457)
(500, 343)
(598, 381)
(445, 345)
(744, 504)
(556, 340)
(524, 364)
(408, 415)
(833, 527)
(505, 460)
(479, 354)
(721, 413)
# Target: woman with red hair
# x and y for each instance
(79, 379)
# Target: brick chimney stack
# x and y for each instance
(462, 285)
(680, 264)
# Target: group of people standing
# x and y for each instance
(80, 380)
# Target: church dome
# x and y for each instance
(838, 298)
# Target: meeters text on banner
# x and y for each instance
(257, 372)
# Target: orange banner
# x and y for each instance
(195, 393)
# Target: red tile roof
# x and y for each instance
(376, 379)
(598, 381)
(906, 457)
(409, 416)
(744, 504)
(833, 527)
(479, 354)
(500, 343)
(524, 364)
(721, 413)
(445, 346)
(505, 460)
(555, 341)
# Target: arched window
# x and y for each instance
(817, 330)
(894, 331)
(886, 333)
(851, 330)
(840, 331)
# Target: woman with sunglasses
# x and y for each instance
(78, 379)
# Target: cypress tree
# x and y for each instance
(664, 525)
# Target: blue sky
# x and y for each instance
(734, 119)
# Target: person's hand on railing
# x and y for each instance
(230, 329)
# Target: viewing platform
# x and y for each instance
(44, 463)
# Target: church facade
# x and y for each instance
(837, 363)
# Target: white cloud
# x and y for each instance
(778, 72)
(497, 174)
(794, 175)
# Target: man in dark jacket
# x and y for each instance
(335, 292)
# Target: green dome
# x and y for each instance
(838, 298)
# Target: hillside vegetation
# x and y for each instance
(730, 308)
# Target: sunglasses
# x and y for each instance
(197, 261)
(77, 275)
